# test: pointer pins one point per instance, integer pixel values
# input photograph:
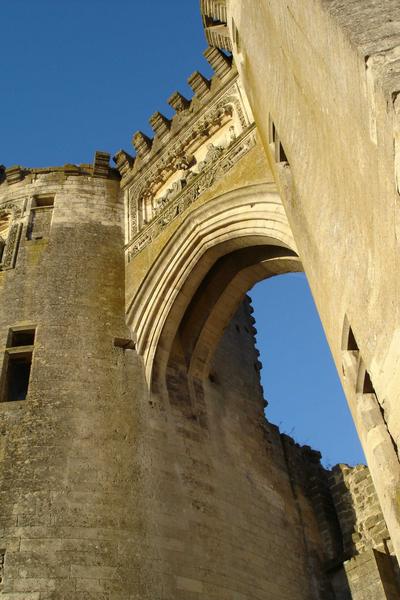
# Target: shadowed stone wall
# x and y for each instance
(69, 470)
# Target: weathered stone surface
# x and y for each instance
(329, 124)
(140, 464)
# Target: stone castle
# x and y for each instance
(135, 459)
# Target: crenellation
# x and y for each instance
(219, 62)
(124, 162)
(199, 84)
(101, 164)
(142, 144)
(214, 13)
(178, 102)
(160, 124)
(14, 174)
(136, 460)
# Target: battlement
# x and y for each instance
(99, 168)
(214, 17)
(186, 110)
(205, 138)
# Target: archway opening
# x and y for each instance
(300, 381)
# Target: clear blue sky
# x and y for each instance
(83, 75)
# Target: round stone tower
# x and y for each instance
(66, 423)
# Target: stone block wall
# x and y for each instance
(329, 125)
(359, 512)
(67, 452)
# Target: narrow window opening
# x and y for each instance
(272, 131)
(2, 246)
(17, 378)
(368, 388)
(17, 364)
(351, 342)
(2, 559)
(281, 156)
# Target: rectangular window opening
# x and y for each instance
(43, 201)
(16, 381)
(21, 337)
(17, 364)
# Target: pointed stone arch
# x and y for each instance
(235, 222)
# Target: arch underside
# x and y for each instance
(197, 282)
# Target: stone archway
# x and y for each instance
(235, 222)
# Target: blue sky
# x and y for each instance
(84, 75)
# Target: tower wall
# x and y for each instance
(108, 491)
(329, 123)
(67, 461)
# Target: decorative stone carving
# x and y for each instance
(11, 208)
(10, 251)
(153, 175)
(182, 195)
(9, 214)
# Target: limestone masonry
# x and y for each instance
(136, 462)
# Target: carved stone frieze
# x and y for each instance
(177, 155)
(13, 209)
(220, 162)
(11, 247)
(9, 242)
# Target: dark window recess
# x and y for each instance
(44, 201)
(281, 155)
(2, 557)
(368, 388)
(24, 337)
(17, 376)
(351, 342)
(17, 364)
(271, 131)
